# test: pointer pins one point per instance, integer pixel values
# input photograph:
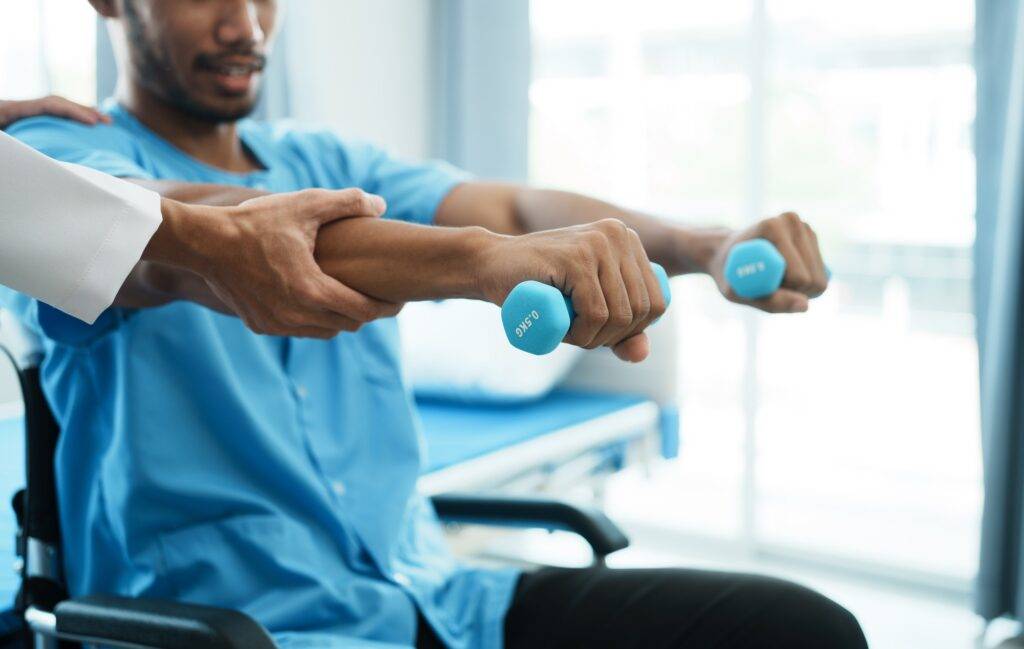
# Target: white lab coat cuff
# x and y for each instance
(136, 216)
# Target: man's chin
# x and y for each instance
(220, 111)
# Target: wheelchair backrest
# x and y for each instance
(30, 541)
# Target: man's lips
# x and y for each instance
(234, 83)
(232, 64)
(234, 75)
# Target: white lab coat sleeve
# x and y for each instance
(69, 235)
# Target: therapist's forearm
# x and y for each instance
(153, 284)
(185, 235)
(190, 233)
(182, 242)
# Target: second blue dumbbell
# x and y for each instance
(755, 268)
(537, 317)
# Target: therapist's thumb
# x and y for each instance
(331, 205)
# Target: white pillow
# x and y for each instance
(457, 350)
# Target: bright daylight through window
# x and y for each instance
(835, 434)
(48, 47)
(45, 47)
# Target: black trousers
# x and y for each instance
(669, 609)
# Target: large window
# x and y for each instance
(48, 46)
(849, 434)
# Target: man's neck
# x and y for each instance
(217, 145)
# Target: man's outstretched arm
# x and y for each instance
(602, 266)
(681, 249)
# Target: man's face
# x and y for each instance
(205, 57)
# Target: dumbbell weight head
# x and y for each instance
(537, 317)
(754, 269)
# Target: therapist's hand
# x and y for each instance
(12, 111)
(806, 277)
(602, 266)
(257, 257)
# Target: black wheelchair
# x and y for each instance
(43, 616)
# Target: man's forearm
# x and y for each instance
(396, 261)
(679, 248)
(515, 209)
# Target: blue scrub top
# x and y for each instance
(204, 463)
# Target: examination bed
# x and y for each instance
(603, 415)
(569, 432)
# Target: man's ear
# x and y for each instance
(106, 8)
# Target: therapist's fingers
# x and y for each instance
(328, 206)
(61, 107)
(271, 319)
(320, 301)
(332, 304)
(271, 277)
(12, 111)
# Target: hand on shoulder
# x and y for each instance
(12, 111)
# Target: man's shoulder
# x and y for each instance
(45, 127)
(110, 148)
(57, 137)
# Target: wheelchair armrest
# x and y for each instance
(598, 530)
(150, 623)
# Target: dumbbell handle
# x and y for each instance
(537, 317)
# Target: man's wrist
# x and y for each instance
(696, 249)
(479, 248)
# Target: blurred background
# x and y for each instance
(841, 448)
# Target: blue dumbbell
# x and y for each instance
(537, 316)
(755, 268)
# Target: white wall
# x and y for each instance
(365, 68)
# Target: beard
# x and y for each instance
(156, 74)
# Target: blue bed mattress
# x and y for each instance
(457, 432)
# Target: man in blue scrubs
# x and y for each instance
(205, 463)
